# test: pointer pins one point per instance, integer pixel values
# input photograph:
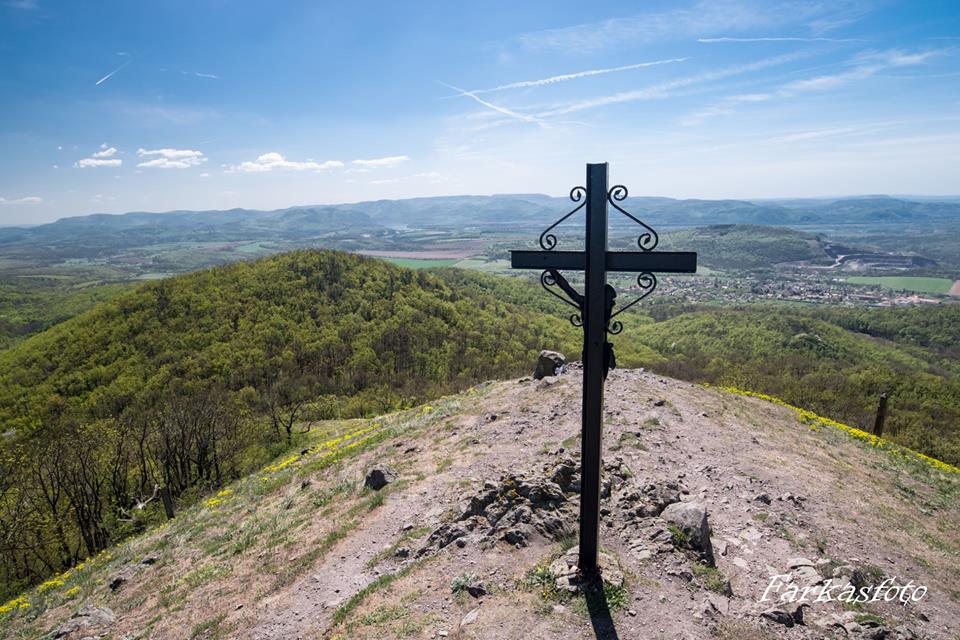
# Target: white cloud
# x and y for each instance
(865, 65)
(575, 76)
(779, 39)
(102, 158)
(522, 117)
(198, 74)
(105, 152)
(386, 181)
(109, 75)
(703, 18)
(23, 5)
(171, 158)
(665, 89)
(390, 161)
(24, 200)
(273, 160)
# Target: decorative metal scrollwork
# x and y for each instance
(548, 241)
(647, 282)
(548, 280)
(649, 239)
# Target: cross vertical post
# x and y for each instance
(595, 337)
(595, 312)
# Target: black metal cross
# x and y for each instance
(595, 313)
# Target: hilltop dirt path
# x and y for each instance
(486, 488)
(826, 499)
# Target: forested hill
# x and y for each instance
(190, 381)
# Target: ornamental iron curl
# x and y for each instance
(649, 239)
(548, 241)
(551, 278)
(647, 282)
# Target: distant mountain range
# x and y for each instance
(501, 212)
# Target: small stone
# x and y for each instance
(549, 364)
(779, 616)
(117, 582)
(442, 633)
(764, 498)
(379, 476)
(402, 552)
(470, 618)
(632, 613)
(461, 543)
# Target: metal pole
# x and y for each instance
(594, 339)
(881, 416)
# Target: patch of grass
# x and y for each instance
(677, 536)
(461, 583)
(208, 628)
(376, 501)
(206, 574)
(712, 578)
(384, 581)
(740, 630)
(444, 464)
(869, 617)
(762, 516)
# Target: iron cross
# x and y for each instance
(595, 313)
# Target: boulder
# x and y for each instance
(549, 363)
(691, 519)
(87, 621)
(379, 476)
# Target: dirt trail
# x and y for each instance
(726, 451)
(777, 494)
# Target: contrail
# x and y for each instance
(107, 77)
(781, 39)
(507, 112)
(574, 76)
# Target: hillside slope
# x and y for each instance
(485, 500)
(194, 381)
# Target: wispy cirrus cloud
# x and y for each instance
(274, 161)
(575, 76)
(170, 158)
(23, 5)
(102, 158)
(24, 200)
(198, 74)
(112, 73)
(779, 39)
(864, 65)
(668, 88)
(374, 163)
(522, 117)
(703, 18)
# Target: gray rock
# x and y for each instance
(550, 363)
(779, 616)
(88, 619)
(691, 518)
(470, 618)
(379, 476)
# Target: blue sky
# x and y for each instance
(137, 106)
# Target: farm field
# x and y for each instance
(907, 283)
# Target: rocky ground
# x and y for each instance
(468, 530)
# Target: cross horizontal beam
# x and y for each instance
(629, 261)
